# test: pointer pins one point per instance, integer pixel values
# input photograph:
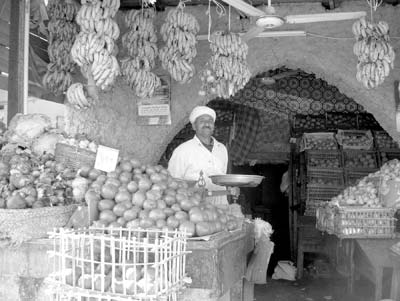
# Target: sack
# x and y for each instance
(285, 270)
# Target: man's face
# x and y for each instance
(204, 125)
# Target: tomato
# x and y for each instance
(126, 165)
(91, 196)
(181, 215)
(144, 184)
(203, 229)
(156, 177)
(144, 213)
(189, 227)
(176, 207)
(161, 204)
(100, 223)
(153, 195)
(194, 200)
(125, 177)
(146, 223)
(196, 216)
(132, 186)
(105, 204)
(179, 197)
(169, 211)
(123, 196)
(101, 178)
(169, 191)
(96, 186)
(133, 224)
(127, 204)
(186, 204)
(109, 191)
(173, 222)
(121, 221)
(173, 184)
(94, 174)
(135, 163)
(157, 214)
(114, 182)
(108, 216)
(149, 204)
(112, 174)
(123, 187)
(169, 200)
(84, 171)
(131, 213)
(119, 209)
(160, 223)
(150, 170)
(195, 209)
(138, 198)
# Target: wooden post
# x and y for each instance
(18, 57)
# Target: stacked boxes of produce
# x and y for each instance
(387, 147)
(308, 123)
(336, 121)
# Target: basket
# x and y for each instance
(360, 160)
(355, 139)
(352, 176)
(318, 177)
(384, 141)
(361, 222)
(387, 155)
(324, 159)
(341, 121)
(20, 225)
(321, 141)
(117, 264)
(74, 157)
(304, 123)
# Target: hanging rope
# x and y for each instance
(220, 10)
(229, 19)
(374, 4)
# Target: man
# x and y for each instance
(201, 153)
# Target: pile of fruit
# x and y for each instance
(309, 122)
(321, 143)
(179, 33)
(330, 162)
(355, 139)
(227, 71)
(325, 181)
(341, 121)
(27, 181)
(384, 141)
(139, 196)
(140, 41)
(94, 49)
(81, 143)
(364, 194)
(360, 160)
(375, 54)
(62, 31)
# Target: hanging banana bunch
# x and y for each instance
(179, 34)
(140, 42)
(94, 49)
(375, 55)
(227, 71)
(78, 96)
(62, 31)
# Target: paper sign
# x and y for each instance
(106, 158)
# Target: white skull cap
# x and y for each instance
(202, 110)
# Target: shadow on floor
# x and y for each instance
(312, 289)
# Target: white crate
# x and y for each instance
(118, 264)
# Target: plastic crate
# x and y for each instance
(353, 176)
(117, 264)
(325, 216)
(361, 222)
(367, 122)
(306, 123)
(319, 141)
(324, 159)
(360, 160)
(387, 155)
(383, 141)
(317, 177)
(341, 121)
(355, 139)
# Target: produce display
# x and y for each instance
(81, 143)
(364, 194)
(28, 181)
(226, 71)
(375, 55)
(62, 31)
(387, 156)
(360, 160)
(328, 162)
(179, 34)
(322, 141)
(139, 196)
(140, 41)
(341, 121)
(78, 96)
(309, 122)
(94, 48)
(355, 139)
(325, 181)
(384, 141)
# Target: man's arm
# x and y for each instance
(176, 165)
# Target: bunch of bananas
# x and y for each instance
(375, 54)
(77, 96)
(140, 42)
(94, 49)
(62, 32)
(62, 10)
(140, 78)
(179, 34)
(227, 70)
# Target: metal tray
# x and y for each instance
(237, 180)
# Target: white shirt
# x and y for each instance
(191, 157)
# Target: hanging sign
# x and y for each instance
(106, 158)
(157, 109)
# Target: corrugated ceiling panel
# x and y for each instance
(4, 59)
(3, 82)
(4, 33)
(5, 10)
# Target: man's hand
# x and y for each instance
(234, 191)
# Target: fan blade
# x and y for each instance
(299, 19)
(285, 74)
(245, 7)
(252, 33)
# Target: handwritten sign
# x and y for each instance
(157, 109)
(106, 158)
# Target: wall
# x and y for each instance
(112, 121)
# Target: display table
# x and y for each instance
(216, 268)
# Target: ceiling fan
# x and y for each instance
(267, 18)
(270, 80)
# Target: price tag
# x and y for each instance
(106, 158)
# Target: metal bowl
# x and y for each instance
(234, 180)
